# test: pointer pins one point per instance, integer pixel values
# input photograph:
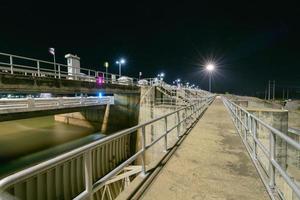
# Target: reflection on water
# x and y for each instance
(28, 141)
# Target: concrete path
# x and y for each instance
(211, 163)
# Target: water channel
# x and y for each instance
(27, 142)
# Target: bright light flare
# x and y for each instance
(121, 61)
(210, 67)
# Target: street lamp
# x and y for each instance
(210, 68)
(161, 76)
(106, 69)
(187, 84)
(120, 62)
(177, 81)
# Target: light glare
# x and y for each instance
(210, 67)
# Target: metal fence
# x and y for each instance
(34, 104)
(13, 64)
(264, 144)
(81, 165)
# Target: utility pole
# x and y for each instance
(266, 92)
(287, 93)
(273, 90)
(269, 90)
(283, 94)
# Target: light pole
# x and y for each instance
(52, 51)
(161, 76)
(106, 69)
(120, 62)
(210, 68)
(177, 82)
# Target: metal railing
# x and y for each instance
(34, 104)
(14, 64)
(185, 116)
(261, 141)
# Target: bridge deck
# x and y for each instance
(211, 163)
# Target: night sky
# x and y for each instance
(250, 42)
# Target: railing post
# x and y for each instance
(254, 133)
(38, 68)
(271, 158)
(59, 75)
(82, 100)
(144, 150)
(88, 173)
(185, 118)
(166, 136)
(178, 124)
(30, 103)
(60, 102)
(194, 111)
(236, 116)
(240, 120)
(54, 70)
(11, 64)
(246, 125)
(197, 109)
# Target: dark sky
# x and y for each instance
(251, 42)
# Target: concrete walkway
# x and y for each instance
(211, 163)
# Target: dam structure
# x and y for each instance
(159, 141)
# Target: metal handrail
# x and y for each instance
(54, 70)
(41, 68)
(33, 104)
(90, 188)
(250, 125)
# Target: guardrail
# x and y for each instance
(251, 129)
(47, 175)
(34, 104)
(14, 64)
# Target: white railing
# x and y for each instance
(261, 141)
(14, 64)
(34, 104)
(12, 184)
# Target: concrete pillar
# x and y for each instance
(105, 119)
(279, 120)
(149, 110)
(73, 63)
(110, 119)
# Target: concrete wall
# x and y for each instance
(286, 156)
(279, 120)
(32, 84)
(149, 110)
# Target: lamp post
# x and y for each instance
(52, 51)
(106, 69)
(177, 82)
(161, 76)
(120, 62)
(210, 68)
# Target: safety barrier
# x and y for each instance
(35, 104)
(263, 144)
